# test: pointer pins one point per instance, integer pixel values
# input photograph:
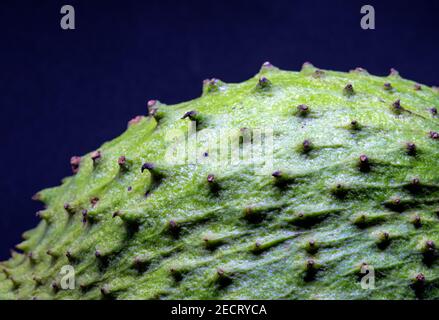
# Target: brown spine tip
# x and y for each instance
(173, 227)
(105, 290)
(135, 120)
(277, 174)
(311, 246)
(411, 148)
(55, 286)
(434, 135)
(94, 201)
(383, 239)
(98, 254)
(147, 166)
(306, 146)
(36, 197)
(415, 182)
(397, 105)
(149, 107)
(74, 163)
(263, 82)
(151, 103)
(393, 72)
(417, 87)
(420, 278)
(303, 109)
(69, 209)
(220, 272)
(416, 220)
(364, 163)
(359, 70)
(210, 178)
(349, 90)
(95, 156)
(84, 216)
(69, 256)
(318, 73)
(355, 125)
(267, 64)
(388, 86)
(116, 214)
(192, 115)
(419, 284)
(122, 161)
(310, 263)
(429, 246)
(306, 65)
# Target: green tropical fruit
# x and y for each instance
(291, 185)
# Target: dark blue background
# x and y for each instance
(65, 92)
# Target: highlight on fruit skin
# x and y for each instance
(353, 176)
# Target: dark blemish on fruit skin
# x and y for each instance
(210, 178)
(74, 163)
(205, 154)
(433, 111)
(129, 188)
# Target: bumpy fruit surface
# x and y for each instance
(354, 186)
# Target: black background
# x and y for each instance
(64, 93)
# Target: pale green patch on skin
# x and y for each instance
(244, 235)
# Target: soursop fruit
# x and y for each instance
(339, 198)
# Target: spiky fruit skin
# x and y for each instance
(139, 227)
